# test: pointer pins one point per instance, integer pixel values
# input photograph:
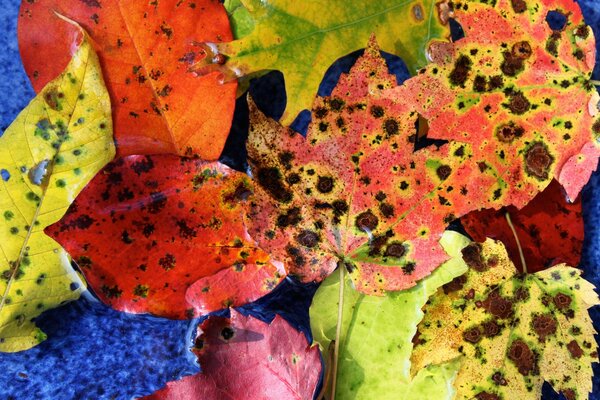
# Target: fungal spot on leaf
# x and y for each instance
(472, 335)
(498, 306)
(582, 31)
(336, 104)
(143, 166)
(325, 184)
(395, 250)
(308, 238)
(390, 126)
(387, 210)
(538, 161)
(167, 262)
(285, 158)
(544, 325)
(517, 103)
(111, 292)
(409, 268)
(290, 218)
(473, 257)
(487, 396)
(519, 6)
(443, 172)
(227, 333)
(417, 12)
(562, 301)
(462, 67)
(141, 291)
(524, 359)
(491, 328)
(574, 349)
(508, 132)
(158, 201)
(366, 221)
(271, 180)
(377, 111)
(455, 284)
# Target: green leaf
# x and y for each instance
(302, 39)
(48, 154)
(513, 331)
(375, 343)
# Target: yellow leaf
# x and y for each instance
(514, 331)
(49, 153)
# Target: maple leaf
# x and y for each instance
(520, 92)
(47, 155)
(549, 228)
(514, 331)
(146, 49)
(303, 39)
(376, 332)
(165, 235)
(353, 192)
(245, 358)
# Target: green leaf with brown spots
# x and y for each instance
(376, 332)
(514, 331)
(49, 153)
(520, 92)
(302, 39)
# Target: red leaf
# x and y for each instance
(146, 49)
(549, 228)
(244, 358)
(165, 235)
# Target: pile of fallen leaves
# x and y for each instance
(111, 182)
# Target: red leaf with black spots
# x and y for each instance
(166, 235)
(549, 228)
(146, 49)
(245, 358)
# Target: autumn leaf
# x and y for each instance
(520, 92)
(514, 331)
(245, 358)
(376, 332)
(549, 228)
(166, 235)
(302, 39)
(48, 154)
(146, 49)
(354, 192)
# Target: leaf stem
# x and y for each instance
(512, 228)
(338, 331)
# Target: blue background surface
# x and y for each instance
(94, 352)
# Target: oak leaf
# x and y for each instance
(146, 49)
(303, 39)
(376, 332)
(165, 235)
(245, 358)
(514, 331)
(549, 228)
(47, 155)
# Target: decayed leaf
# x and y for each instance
(302, 39)
(375, 344)
(146, 49)
(245, 358)
(354, 192)
(515, 332)
(165, 235)
(549, 228)
(520, 92)
(48, 154)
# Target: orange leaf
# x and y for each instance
(145, 49)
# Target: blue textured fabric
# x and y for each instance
(94, 352)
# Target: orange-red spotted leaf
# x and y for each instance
(245, 358)
(549, 228)
(353, 192)
(520, 92)
(145, 49)
(166, 235)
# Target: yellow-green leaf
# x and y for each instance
(376, 334)
(515, 332)
(303, 38)
(49, 153)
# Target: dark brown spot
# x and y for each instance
(158, 201)
(377, 111)
(91, 3)
(367, 221)
(390, 126)
(443, 172)
(395, 250)
(569, 394)
(455, 284)
(519, 6)
(574, 349)
(409, 268)
(459, 74)
(490, 328)
(521, 50)
(538, 161)
(336, 104)
(487, 396)
(479, 84)
(340, 207)
(522, 356)
(285, 158)
(473, 258)
(544, 325)
(270, 179)
(499, 379)
(508, 132)
(582, 31)
(472, 335)
(290, 218)
(518, 103)
(325, 184)
(562, 301)
(321, 112)
(167, 262)
(111, 292)
(308, 238)
(387, 210)
(497, 305)
(143, 166)
(227, 333)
